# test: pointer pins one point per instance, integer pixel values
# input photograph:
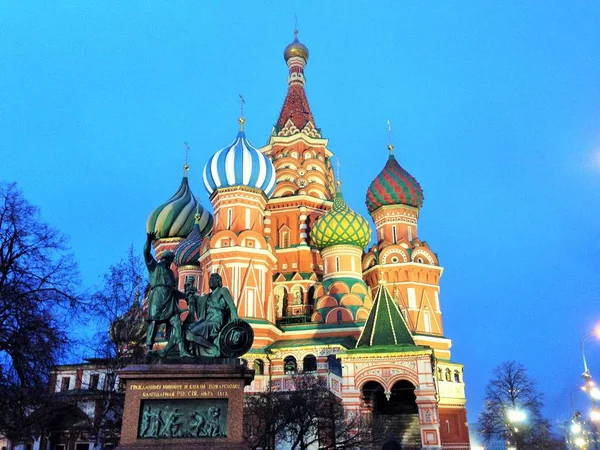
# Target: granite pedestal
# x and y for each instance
(186, 404)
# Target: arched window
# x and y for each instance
(440, 376)
(309, 364)
(394, 235)
(340, 317)
(448, 375)
(457, 376)
(259, 367)
(290, 367)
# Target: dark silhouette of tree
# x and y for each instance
(306, 416)
(118, 311)
(38, 294)
(512, 390)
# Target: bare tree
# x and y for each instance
(512, 409)
(38, 291)
(118, 312)
(305, 416)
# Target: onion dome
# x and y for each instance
(339, 226)
(296, 48)
(240, 164)
(175, 217)
(130, 327)
(394, 186)
(188, 250)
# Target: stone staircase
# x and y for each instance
(404, 428)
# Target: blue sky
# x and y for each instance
(495, 109)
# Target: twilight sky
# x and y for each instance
(495, 109)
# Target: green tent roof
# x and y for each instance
(386, 324)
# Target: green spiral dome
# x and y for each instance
(340, 226)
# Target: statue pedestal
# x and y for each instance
(185, 404)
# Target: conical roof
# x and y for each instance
(386, 324)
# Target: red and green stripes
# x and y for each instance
(394, 186)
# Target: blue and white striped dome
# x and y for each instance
(240, 164)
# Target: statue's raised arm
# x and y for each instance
(150, 261)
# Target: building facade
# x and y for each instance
(297, 261)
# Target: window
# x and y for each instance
(285, 239)
(94, 378)
(110, 382)
(340, 317)
(247, 218)
(309, 364)
(394, 235)
(64, 384)
(337, 263)
(229, 218)
(290, 367)
(448, 375)
(409, 234)
(457, 376)
(82, 446)
(440, 376)
(427, 321)
(259, 367)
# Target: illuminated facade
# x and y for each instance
(292, 253)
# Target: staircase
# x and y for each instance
(404, 428)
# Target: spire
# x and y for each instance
(386, 324)
(295, 115)
(390, 145)
(186, 167)
(242, 120)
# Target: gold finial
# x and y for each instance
(295, 26)
(241, 120)
(390, 145)
(381, 277)
(186, 166)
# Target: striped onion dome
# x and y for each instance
(175, 217)
(394, 186)
(340, 225)
(240, 164)
(188, 250)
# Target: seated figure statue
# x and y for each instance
(213, 311)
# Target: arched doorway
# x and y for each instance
(394, 414)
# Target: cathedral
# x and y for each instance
(302, 271)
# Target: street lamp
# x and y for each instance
(515, 417)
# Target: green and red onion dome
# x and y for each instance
(339, 226)
(175, 217)
(188, 250)
(394, 186)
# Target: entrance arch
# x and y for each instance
(394, 413)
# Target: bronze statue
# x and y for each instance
(163, 300)
(214, 311)
(218, 331)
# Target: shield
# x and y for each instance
(236, 338)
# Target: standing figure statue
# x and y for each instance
(214, 311)
(163, 300)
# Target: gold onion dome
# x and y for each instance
(296, 48)
(340, 226)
